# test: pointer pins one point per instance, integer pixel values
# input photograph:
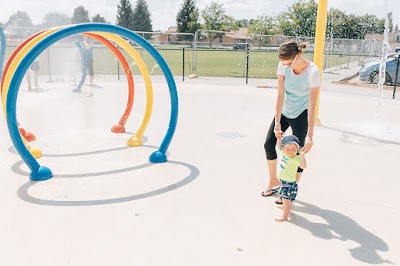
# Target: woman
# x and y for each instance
(298, 86)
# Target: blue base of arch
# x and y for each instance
(158, 157)
(43, 173)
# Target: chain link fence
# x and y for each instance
(205, 53)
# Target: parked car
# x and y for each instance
(370, 71)
(241, 46)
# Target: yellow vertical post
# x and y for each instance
(319, 46)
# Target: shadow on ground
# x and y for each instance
(341, 227)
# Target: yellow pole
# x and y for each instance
(320, 45)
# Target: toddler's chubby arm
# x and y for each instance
(303, 161)
(279, 143)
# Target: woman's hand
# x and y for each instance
(307, 145)
(278, 131)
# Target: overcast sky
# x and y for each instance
(163, 12)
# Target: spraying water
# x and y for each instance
(382, 66)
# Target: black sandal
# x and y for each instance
(279, 201)
(272, 190)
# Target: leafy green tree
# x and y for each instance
(214, 17)
(99, 18)
(351, 27)
(336, 23)
(187, 18)
(242, 23)
(390, 18)
(125, 14)
(264, 25)
(53, 19)
(300, 19)
(214, 20)
(340, 25)
(370, 24)
(141, 17)
(19, 24)
(81, 15)
(229, 24)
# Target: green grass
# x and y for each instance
(216, 63)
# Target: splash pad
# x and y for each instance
(19, 64)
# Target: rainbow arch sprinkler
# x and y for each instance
(13, 78)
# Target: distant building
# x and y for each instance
(168, 36)
(393, 39)
(238, 36)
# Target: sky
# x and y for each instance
(163, 12)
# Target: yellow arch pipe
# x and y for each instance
(137, 139)
(320, 33)
(37, 153)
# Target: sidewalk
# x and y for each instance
(107, 205)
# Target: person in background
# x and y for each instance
(33, 73)
(88, 48)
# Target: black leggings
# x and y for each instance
(299, 127)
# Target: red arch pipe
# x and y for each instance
(119, 128)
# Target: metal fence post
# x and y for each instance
(247, 63)
(118, 69)
(395, 78)
(183, 64)
(48, 65)
(194, 59)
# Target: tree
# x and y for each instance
(214, 20)
(390, 18)
(336, 21)
(141, 17)
(19, 24)
(229, 24)
(99, 18)
(214, 17)
(242, 23)
(81, 15)
(187, 18)
(125, 14)
(53, 19)
(340, 25)
(300, 19)
(370, 24)
(264, 25)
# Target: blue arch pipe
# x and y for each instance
(39, 172)
(84, 68)
(2, 50)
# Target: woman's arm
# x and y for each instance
(311, 119)
(279, 105)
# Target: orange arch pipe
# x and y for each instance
(119, 128)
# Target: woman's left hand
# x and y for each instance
(307, 145)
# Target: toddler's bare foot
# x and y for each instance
(280, 219)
